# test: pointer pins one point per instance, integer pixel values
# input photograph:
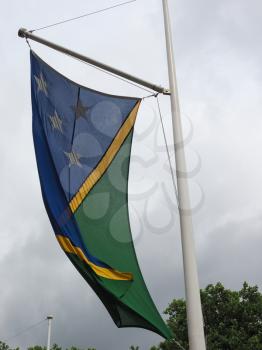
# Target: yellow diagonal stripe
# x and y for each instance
(107, 159)
(108, 273)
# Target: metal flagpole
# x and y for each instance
(49, 319)
(193, 302)
(24, 33)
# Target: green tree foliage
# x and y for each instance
(54, 347)
(132, 347)
(75, 348)
(4, 346)
(36, 347)
(39, 347)
(233, 319)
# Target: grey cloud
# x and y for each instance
(219, 72)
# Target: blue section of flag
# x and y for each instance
(61, 218)
(79, 123)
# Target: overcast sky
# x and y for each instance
(218, 53)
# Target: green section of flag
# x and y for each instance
(103, 221)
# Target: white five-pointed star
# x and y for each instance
(56, 122)
(41, 84)
(74, 158)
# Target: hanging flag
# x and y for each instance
(82, 143)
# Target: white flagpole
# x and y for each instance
(49, 319)
(194, 310)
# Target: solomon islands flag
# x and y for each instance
(82, 143)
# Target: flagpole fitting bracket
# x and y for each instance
(166, 92)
